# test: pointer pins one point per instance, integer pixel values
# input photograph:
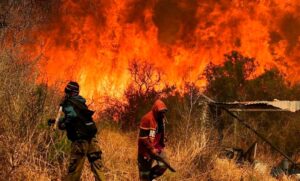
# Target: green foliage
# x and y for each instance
(227, 82)
(271, 85)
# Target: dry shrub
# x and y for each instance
(28, 149)
(185, 156)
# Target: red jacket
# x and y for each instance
(150, 136)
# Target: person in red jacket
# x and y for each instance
(151, 141)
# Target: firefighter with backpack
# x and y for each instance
(81, 131)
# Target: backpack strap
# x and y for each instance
(78, 104)
(81, 107)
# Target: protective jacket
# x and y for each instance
(74, 121)
(152, 131)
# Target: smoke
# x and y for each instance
(70, 22)
(175, 20)
(290, 28)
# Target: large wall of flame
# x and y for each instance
(93, 41)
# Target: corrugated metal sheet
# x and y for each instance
(276, 105)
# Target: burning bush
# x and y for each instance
(138, 97)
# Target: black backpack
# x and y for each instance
(84, 126)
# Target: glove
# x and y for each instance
(63, 123)
(51, 122)
(154, 151)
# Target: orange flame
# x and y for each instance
(94, 41)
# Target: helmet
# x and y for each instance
(72, 87)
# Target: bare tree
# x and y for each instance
(145, 76)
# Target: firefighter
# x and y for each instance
(151, 142)
(81, 131)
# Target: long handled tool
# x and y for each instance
(160, 159)
(57, 118)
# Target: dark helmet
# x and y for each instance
(72, 87)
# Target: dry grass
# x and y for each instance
(119, 156)
(226, 170)
(36, 153)
(192, 158)
(120, 153)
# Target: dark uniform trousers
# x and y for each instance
(80, 149)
